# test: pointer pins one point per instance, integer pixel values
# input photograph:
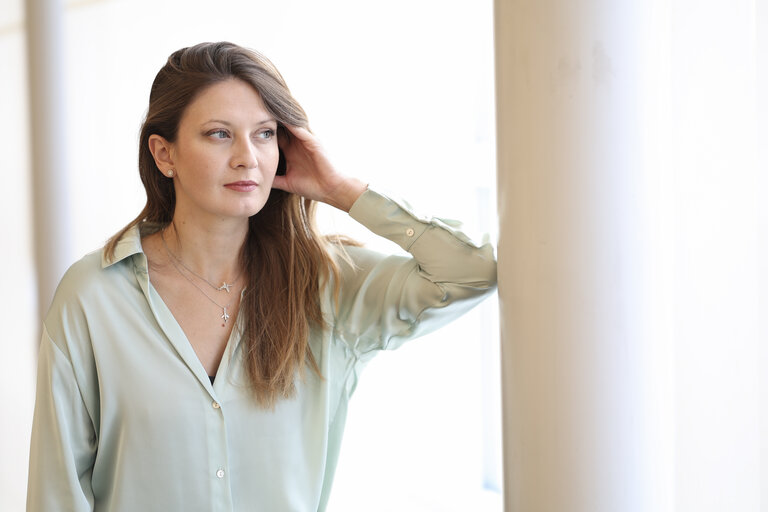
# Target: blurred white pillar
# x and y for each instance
(49, 145)
(762, 119)
(579, 422)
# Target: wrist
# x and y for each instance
(346, 193)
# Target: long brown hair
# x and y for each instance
(285, 258)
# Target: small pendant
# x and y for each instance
(224, 314)
(225, 286)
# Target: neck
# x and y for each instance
(212, 252)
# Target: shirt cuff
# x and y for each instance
(388, 217)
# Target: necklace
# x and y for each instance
(224, 313)
(224, 285)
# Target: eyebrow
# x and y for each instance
(227, 123)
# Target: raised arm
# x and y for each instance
(388, 299)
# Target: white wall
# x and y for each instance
(18, 304)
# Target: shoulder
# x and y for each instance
(86, 267)
(98, 271)
(66, 313)
(80, 276)
(88, 288)
(86, 276)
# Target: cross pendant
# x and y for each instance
(224, 314)
(225, 286)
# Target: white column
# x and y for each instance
(762, 117)
(579, 422)
(49, 145)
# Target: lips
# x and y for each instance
(242, 186)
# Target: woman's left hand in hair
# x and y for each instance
(309, 173)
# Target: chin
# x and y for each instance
(251, 210)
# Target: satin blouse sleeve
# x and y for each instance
(63, 436)
(386, 300)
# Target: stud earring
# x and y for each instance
(170, 173)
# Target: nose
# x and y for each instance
(244, 154)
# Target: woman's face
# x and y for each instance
(225, 154)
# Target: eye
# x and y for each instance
(267, 134)
(218, 134)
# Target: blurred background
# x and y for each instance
(401, 95)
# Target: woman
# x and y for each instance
(205, 358)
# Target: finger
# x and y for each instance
(280, 183)
(301, 133)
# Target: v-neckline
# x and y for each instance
(178, 338)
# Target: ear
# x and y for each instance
(161, 151)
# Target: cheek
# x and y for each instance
(191, 157)
(270, 161)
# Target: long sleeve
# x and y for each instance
(389, 299)
(63, 440)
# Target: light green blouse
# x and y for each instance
(126, 418)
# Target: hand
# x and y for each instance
(309, 173)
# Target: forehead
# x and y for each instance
(232, 100)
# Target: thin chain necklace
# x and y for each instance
(224, 313)
(224, 285)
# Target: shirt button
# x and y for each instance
(409, 231)
(220, 473)
(215, 404)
